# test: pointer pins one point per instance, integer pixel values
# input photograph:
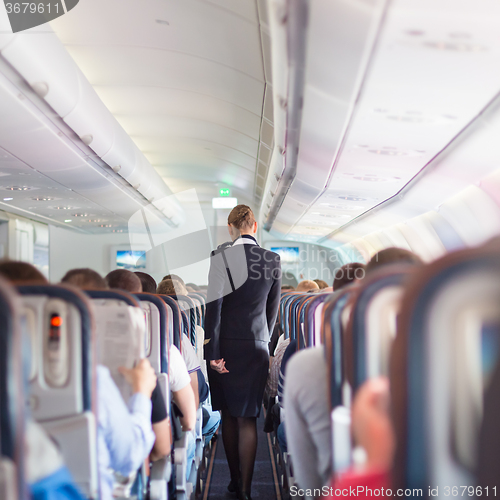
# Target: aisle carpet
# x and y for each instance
(263, 485)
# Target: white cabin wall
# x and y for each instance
(69, 250)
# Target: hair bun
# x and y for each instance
(241, 217)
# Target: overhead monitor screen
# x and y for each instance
(288, 255)
(130, 259)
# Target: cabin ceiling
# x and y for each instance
(184, 78)
(398, 104)
(388, 87)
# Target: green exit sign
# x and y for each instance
(225, 192)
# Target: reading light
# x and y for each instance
(56, 321)
(8, 199)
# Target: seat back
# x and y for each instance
(188, 309)
(12, 401)
(157, 323)
(448, 337)
(62, 378)
(488, 462)
(286, 299)
(120, 333)
(339, 390)
(200, 298)
(372, 326)
(314, 317)
(176, 319)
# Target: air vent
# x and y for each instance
(351, 197)
(345, 208)
(374, 178)
(331, 216)
(387, 152)
(17, 188)
(455, 46)
(409, 119)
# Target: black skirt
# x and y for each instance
(241, 390)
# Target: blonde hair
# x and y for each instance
(171, 287)
(306, 286)
(241, 217)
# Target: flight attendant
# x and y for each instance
(243, 299)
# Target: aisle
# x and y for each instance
(263, 485)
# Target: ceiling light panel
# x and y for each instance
(42, 196)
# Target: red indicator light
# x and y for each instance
(56, 321)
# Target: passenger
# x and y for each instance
(85, 279)
(46, 473)
(147, 281)
(307, 418)
(184, 398)
(124, 433)
(174, 277)
(348, 273)
(307, 286)
(21, 273)
(274, 366)
(287, 288)
(122, 279)
(321, 284)
(392, 255)
(89, 279)
(191, 287)
(372, 430)
(306, 395)
(169, 286)
(290, 350)
(172, 287)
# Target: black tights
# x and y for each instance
(240, 443)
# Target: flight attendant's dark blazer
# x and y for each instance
(243, 295)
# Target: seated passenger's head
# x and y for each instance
(21, 272)
(124, 280)
(307, 286)
(372, 427)
(347, 274)
(321, 284)
(241, 220)
(86, 279)
(392, 255)
(171, 287)
(287, 288)
(191, 287)
(174, 277)
(147, 281)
